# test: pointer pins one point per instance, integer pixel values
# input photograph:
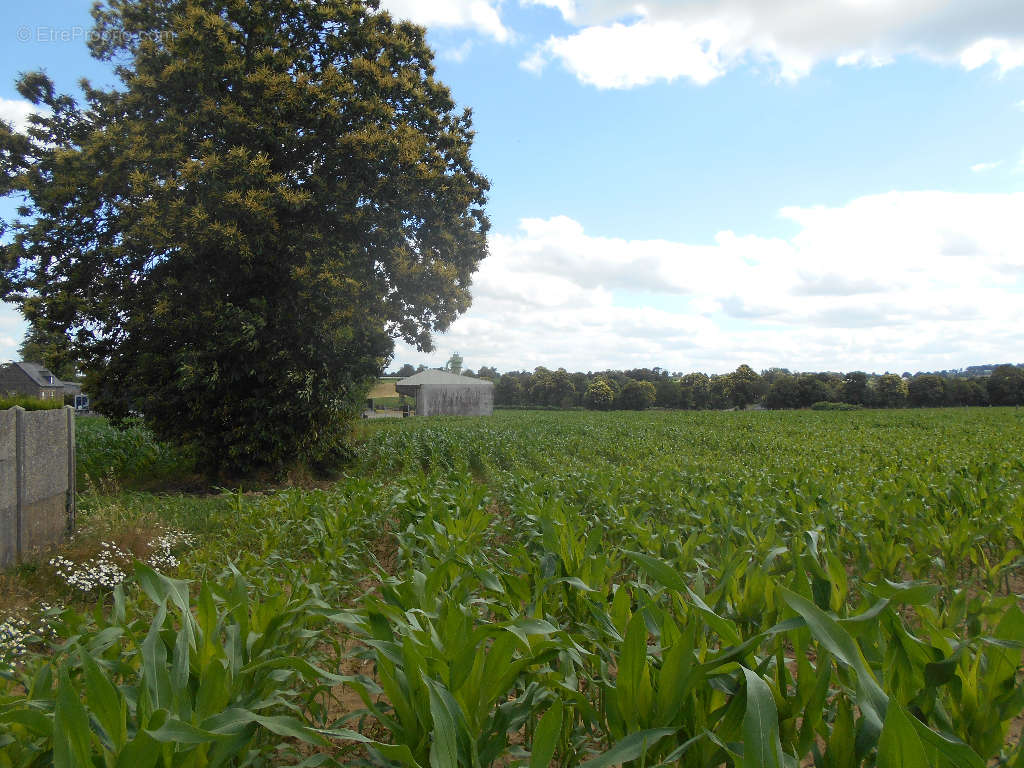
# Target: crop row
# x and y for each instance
(829, 589)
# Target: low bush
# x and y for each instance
(824, 405)
(29, 403)
(109, 458)
(392, 402)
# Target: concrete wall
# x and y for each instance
(456, 401)
(37, 480)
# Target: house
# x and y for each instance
(30, 380)
(442, 392)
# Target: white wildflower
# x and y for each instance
(14, 635)
(162, 554)
(107, 569)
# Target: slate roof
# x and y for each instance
(40, 374)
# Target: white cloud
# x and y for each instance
(863, 59)
(480, 15)
(566, 7)
(907, 280)
(982, 167)
(12, 330)
(459, 53)
(1002, 52)
(621, 43)
(666, 50)
(535, 62)
(17, 111)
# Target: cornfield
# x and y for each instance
(836, 589)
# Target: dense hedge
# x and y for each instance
(30, 403)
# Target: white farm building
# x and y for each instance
(440, 392)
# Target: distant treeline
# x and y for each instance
(775, 388)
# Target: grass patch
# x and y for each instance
(382, 388)
(115, 529)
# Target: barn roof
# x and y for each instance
(409, 385)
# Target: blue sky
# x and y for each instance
(701, 184)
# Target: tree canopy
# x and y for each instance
(774, 388)
(454, 364)
(891, 391)
(599, 395)
(51, 349)
(232, 237)
(637, 396)
(1006, 385)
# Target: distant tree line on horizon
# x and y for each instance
(774, 388)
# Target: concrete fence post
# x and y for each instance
(19, 477)
(37, 481)
(69, 412)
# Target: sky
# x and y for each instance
(700, 184)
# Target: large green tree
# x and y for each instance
(234, 234)
(810, 390)
(695, 391)
(746, 386)
(41, 345)
(890, 391)
(551, 387)
(454, 364)
(508, 390)
(636, 396)
(406, 371)
(1006, 385)
(784, 392)
(927, 390)
(599, 395)
(668, 393)
(855, 388)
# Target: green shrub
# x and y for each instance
(109, 458)
(29, 403)
(825, 405)
(391, 402)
